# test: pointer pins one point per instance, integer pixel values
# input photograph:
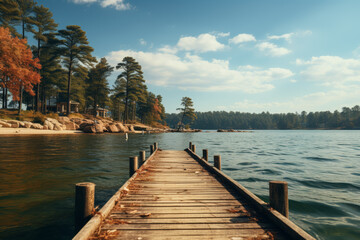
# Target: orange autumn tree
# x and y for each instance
(18, 69)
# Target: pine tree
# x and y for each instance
(9, 15)
(187, 111)
(45, 25)
(75, 49)
(131, 85)
(97, 85)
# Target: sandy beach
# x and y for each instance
(30, 131)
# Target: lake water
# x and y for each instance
(38, 173)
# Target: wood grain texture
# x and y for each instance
(174, 197)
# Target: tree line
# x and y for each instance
(62, 64)
(348, 118)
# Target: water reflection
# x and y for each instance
(38, 173)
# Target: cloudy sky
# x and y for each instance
(232, 55)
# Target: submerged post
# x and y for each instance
(190, 145)
(133, 165)
(205, 155)
(84, 203)
(217, 161)
(193, 148)
(151, 149)
(142, 157)
(278, 191)
(156, 145)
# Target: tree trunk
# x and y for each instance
(68, 90)
(6, 98)
(21, 99)
(38, 85)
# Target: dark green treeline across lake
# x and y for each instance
(348, 118)
(38, 173)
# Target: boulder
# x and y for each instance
(99, 128)
(22, 124)
(70, 126)
(121, 127)
(85, 124)
(5, 124)
(36, 126)
(58, 127)
(77, 127)
(49, 125)
(28, 124)
(63, 120)
(112, 128)
(53, 121)
(13, 123)
(89, 129)
(131, 128)
(45, 127)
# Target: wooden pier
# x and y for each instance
(179, 195)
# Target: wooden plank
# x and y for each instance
(178, 215)
(183, 220)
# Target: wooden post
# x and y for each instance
(190, 145)
(141, 157)
(84, 203)
(151, 149)
(133, 165)
(278, 191)
(217, 161)
(205, 155)
(193, 148)
(155, 145)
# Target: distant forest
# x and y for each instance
(348, 118)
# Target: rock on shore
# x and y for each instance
(85, 125)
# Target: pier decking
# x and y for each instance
(178, 195)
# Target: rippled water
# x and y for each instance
(38, 173)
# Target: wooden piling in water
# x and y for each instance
(217, 161)
(141, 157)
(193, 148)
(205, 155)
(84, 203)
(278, 191)
(151, 149)
(190, 145)
(133, 165)
(156, 145)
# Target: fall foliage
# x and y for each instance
(17, 66)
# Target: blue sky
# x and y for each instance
(232, 55)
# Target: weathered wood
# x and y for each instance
(84, 203)
(174, 197)
(156, 146)
(217, 161)
(190, 145)
(205, 155)
(278, 191)
(133, 166)
(193, 147)
(152, 149)
(142, 157)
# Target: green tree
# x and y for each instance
(75, 49)
(97, 91)
(45, 26)
(131, 86)
(187, 111)
(9, 15)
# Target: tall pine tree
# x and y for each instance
(75, 49)
(131, 86)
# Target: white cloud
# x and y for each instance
(243, 37)
(168, 49)
(203, 43)
(222, 34)
(194, 73)
(117, 4)
(272, 49)
(331, 71)
(286, 36)
(142, 42)
(293, 80)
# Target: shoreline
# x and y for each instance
(30, 131)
